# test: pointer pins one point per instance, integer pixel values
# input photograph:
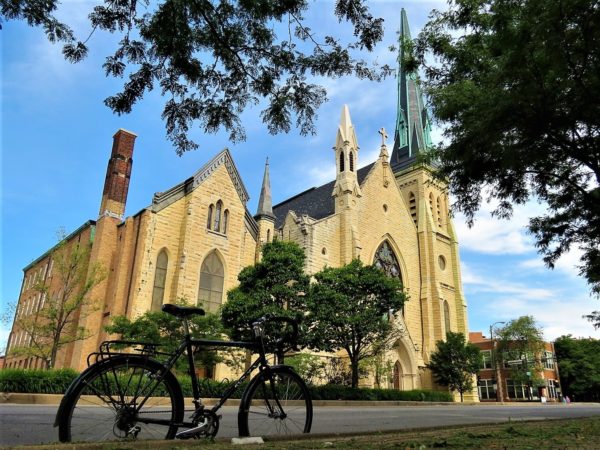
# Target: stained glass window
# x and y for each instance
(386, 260)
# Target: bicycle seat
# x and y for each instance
(182, 311)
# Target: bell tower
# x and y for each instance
(346, 191)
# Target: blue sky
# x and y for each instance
(57, 136)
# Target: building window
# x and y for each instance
(225, 220)
(486, 359)
(210, 215)
(342, 162)
(351, 161)
(439, 213)
(516, 390)
(160, 277)
(218, 209)
(386, 260)
(486, 389)
(447, 316)
(212, 275)
(552, 389)
(548, 360)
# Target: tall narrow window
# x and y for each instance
(447, 316)
(212, 275)
(210, 215)
(342, 168)
(225, 220)
(351, 161)
(412, 204)
(439, 213)
(160, 277)
(219, 208)
(386, 260)
(268, 235)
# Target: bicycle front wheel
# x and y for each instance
(276, 402)
(127, 397)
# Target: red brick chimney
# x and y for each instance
(118, 174)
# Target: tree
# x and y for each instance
(275, 285)
(349, 307)
(213, 58)
(455, 363)
(579, 367)
(522, 340)
(594, 318)
(515, 83)
(166, 331)
(63, 298)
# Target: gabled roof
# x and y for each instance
(163, 199)
(315, 202)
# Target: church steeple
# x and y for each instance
(346, 158)
(265, 219)
(412, 134)
(265, 204)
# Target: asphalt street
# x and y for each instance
(32, 424)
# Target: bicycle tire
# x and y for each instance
(115, 399)
(276, 402)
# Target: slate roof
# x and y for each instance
(315, 202)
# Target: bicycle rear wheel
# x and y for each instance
(276, 402)
(127, 397)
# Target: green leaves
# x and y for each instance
(213, 58)
(455, 362)
(276, 285)
(579, 367)
(349, 308)
(514, 83)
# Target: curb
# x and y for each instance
(54, 399)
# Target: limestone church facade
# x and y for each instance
(194, 239)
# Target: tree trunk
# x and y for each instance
(354, 367)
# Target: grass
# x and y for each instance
(581, 433)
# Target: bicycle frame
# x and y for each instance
(189, 344)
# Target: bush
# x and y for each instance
(55, 381)
(338, 392)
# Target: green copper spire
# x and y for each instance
(412, 134)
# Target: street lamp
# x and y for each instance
(499, 396)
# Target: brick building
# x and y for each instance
(193, 239)
(489, 376)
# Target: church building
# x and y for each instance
(194, 239)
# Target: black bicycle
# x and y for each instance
(124, 395)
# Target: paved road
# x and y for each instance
(32, 424)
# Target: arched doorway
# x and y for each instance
(398, 376)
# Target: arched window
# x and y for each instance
(447, 316)
(218, 210)
(412, 204)
(225, 220)
(439, 213)
(160, 276)
(342, 168)
(386, 260)
(268, 235)
(210, 215)
(351, 157)
(212, 274)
